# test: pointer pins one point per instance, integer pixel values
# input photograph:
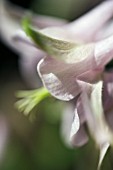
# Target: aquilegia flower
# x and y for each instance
(74, 67)
(70, 58)
(77, 53)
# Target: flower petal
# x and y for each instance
(104, 51)
(42, 21)
(47, 42)
(80, 138)
(53, 74)
(106, 31)
(95, 120)
(94, 115)
(78, 31)
(60, 78)
(90, 103)
(9, 25)
(69, 51)
(75, 125)
(11, 16)
(70, 124)
(29, 57)
(86, 27)
(103, 151)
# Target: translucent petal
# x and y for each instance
(86, 27)
(61, 78)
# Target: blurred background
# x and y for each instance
(35, 143)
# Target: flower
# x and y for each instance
(74, 67)
(75, 60)
(58, 72)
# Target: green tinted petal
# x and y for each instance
(45, 41)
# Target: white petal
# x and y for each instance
(86, 27)
(103, 151)
(104, 51)
(80, 138)
(75, 125)
(60, 78)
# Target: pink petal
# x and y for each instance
(29, 57)
(106, 31)
(86, 27)
(9, 25)
(41, 21)
(22, 44)
(80, 138)
(104, 51)
(70, 124)
(78, 135)
(80, 111)
(60, 78)
(93, 111)
(90, 76)
(27, 66)
(11, 16)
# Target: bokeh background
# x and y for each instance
(35, 143)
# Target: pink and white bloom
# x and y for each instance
(77, 53)
(70, 60)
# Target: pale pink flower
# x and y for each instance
(74, 66)
(77, 53)
(70, 60)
